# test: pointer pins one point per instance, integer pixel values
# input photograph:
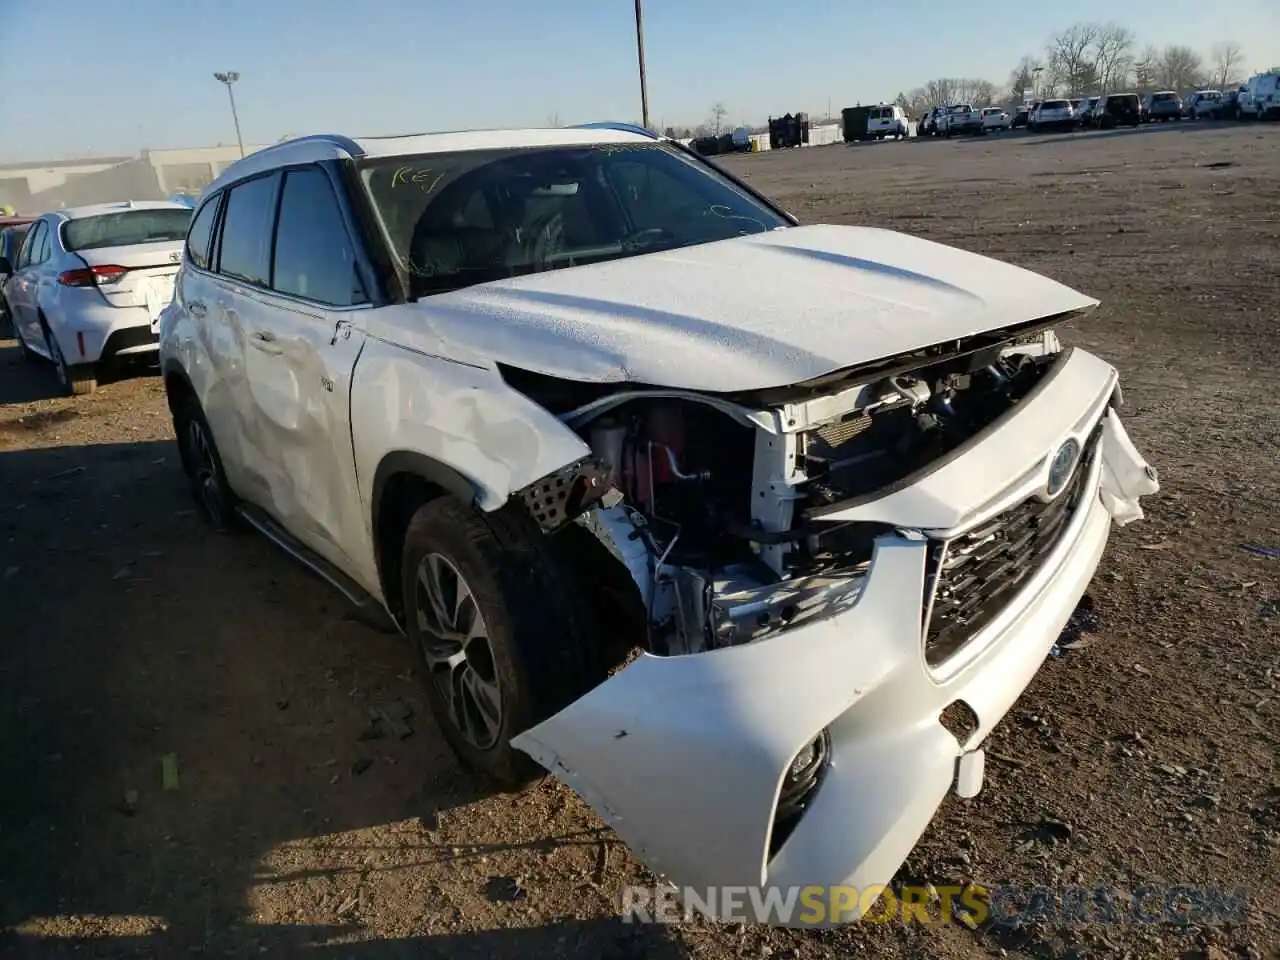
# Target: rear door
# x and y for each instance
(15, 288)
(239, 336)
(301, 385)
(25, 287)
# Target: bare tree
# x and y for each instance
(718, 112)
(940, 91)
(1227, 64)
(553, 119)
(1023, 77)
(985, 93)
(1145, 70)
(1112, 57)
(1179, 68)
(917, 102)
(1071, 66)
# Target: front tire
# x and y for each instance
(202, 464)
(503, 637)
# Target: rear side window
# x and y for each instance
(245, 252)
(200, 239)
(314, 256)
(29, 247)
(125, 229)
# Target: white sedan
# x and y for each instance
(89, 283)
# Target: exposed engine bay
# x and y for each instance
(716, 508)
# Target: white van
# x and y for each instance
(887, 120)
(1261, 98)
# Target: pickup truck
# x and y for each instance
(960, 118)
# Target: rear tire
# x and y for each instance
(76, 380)
(202, 464)
(520, 645)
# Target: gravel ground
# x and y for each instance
(1145, 754)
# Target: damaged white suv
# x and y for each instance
(547, 399)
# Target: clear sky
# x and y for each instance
(86, 77)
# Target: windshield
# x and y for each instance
(1163, 97)
(459, 219)
(125, 229)
(1055, 105)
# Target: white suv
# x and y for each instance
(749, 531)
(89, 284)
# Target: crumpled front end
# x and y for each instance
(814, 745)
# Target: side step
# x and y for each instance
(365, 607)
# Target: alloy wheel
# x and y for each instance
(204, 471)
(457, 650)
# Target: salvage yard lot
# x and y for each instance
(1145, 754)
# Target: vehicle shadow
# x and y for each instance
(177, 707)
(600, 939)
(23, 381)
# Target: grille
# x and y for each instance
(972, 577)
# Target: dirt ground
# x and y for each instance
(1146, 754)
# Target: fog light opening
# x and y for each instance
(960, 720)
(799, 787)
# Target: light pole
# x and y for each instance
(228, 79)
(644, 84)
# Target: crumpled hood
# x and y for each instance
(749, 313)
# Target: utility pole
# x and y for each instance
(228, 79)
(644, 84)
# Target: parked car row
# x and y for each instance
(84, 287)
(1257, 99)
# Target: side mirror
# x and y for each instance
(6, 267)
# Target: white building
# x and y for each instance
(153, 175)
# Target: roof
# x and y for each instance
(98, 209)
(320, 147)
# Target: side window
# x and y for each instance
(653, 198)
(314, 257)
(200, 236)
(29, 247)
(245, 250)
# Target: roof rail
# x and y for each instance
(335, 139)
(620, 127)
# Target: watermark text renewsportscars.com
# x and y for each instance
(1177, 904)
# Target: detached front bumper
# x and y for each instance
(685, 756)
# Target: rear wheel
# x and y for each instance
(76, 379)
(203, 465)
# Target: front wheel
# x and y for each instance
(501, 631)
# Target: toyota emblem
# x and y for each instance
(1062, 467)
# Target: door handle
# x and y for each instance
(265, 341)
